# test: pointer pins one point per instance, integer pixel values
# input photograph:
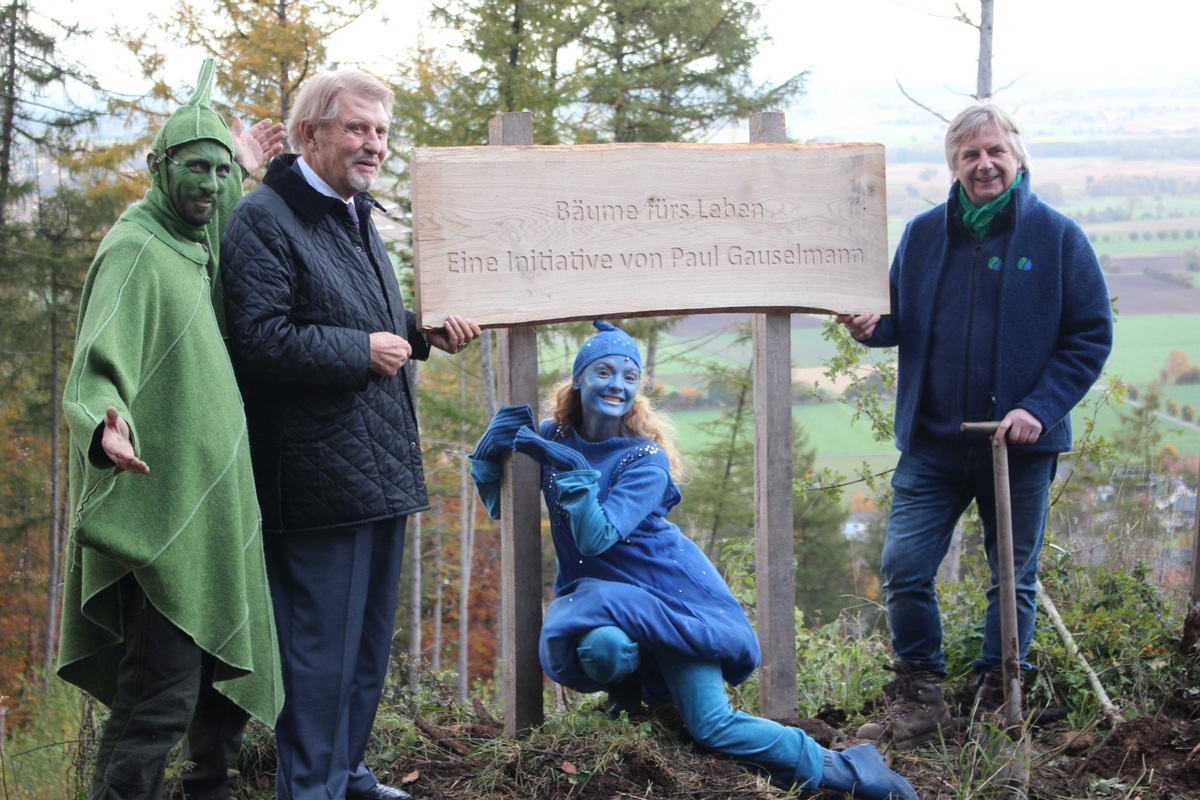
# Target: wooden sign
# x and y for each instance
(521, 235)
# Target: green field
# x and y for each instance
(840, 444)
(1140, 352)
(1142, 343)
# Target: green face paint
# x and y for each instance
(197, 173)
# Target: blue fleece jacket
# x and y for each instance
(1021, 320)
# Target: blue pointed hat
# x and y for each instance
(610, 341)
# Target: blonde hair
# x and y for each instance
(973, 119)
(317, 100)
(643, 419)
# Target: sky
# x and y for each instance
(854, 50)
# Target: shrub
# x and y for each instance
(1123, 626)
(41, 760)
(1189, 376)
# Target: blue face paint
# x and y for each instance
(607, 388)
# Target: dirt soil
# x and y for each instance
(1161, 751)
(1152, 757)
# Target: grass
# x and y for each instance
(1142, 343)
(40, 758)
(435, 748)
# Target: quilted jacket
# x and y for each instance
(333, 443)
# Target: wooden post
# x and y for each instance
(774, 541)
(1191, 622)
(521, 524)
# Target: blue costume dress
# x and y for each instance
(658, 587)
(654, 583)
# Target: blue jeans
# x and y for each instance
(932, 486)
(789, 755)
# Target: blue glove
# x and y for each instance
(548, 453)
(498, 438)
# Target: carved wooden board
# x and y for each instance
(521, 235)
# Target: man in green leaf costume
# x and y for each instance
(167, 618)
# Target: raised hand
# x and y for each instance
(498, 438)
(549, 453)
(257, 144)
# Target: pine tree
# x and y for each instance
(41, 267)
(615, 70)
(30, 65)
(264, 51)
(522, 50)
(673, 70)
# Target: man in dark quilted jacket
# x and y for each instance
(320, 340)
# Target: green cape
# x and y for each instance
(190, 532)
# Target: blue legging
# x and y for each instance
(607, 655)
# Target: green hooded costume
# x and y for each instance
(150, 344)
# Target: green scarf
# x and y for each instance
(979, 220)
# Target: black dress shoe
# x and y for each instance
(380, 791)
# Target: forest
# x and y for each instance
(606, 71)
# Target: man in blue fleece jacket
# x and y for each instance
(999, 311)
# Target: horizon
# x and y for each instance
(851, 91)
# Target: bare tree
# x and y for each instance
(983, 72)
(414, 581)
(983, 83)
(466, 553)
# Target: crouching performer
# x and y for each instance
(641, 613)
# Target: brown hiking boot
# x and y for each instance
(988, 708)
(1007, 753)
(989, 697)
(918, 711)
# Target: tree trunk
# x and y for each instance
(56, 530)
(651, 357)
(435, 658)
(285, 94)
(414, 585)
(8, 102)
(466, 505)
(1191, 623)
(488, 372)
(414, 604)
(983, 87)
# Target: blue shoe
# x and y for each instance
(861, 772)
